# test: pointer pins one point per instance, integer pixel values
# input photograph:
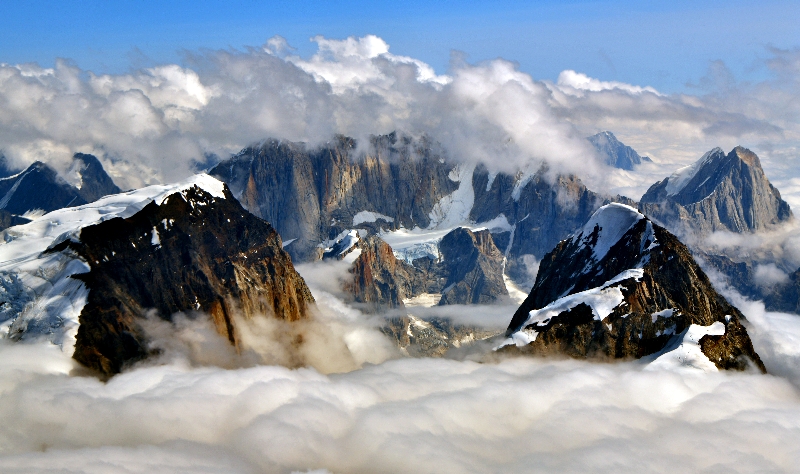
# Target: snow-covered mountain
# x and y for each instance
(624, 287)
(614, 152)
(98, 268)
(718, 192)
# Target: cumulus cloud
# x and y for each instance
(155, 124)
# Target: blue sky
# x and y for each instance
(668, 45)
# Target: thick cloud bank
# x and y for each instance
(155, 124)
(404, 415)
(203, 408)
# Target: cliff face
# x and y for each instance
(310, 194)
(194, 252)
(540, 212)
(718, 192)
(624, 287)
(379, 280)
(474, 268)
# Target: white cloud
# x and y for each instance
(576, 83)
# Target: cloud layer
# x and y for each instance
(397, 415)
(154, 124)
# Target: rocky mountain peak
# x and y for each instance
(624, 287)
(718, 192)
(614, 152)
(197, 251)
(93, 181)
(40, 188)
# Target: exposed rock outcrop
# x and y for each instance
(94, 182)
(614, 152)
(433, 337)
(313, 194)
(474, 268)
(379, 280)
(193, 252)
(623, 287)
(539, 211)
(718, 192)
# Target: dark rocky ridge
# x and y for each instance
(314, 194)
(614, 152)
(469, 273)
(193, 253)
(726, 192)
(39, 187)
(671, 280)
(94, 181)
(543, 212)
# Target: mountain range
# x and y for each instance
(412, 224)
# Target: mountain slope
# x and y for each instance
(39, 187)
(718, 192)
(623, 287)
(195, 251)
(614, 152)
(313, 194)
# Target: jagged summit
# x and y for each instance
(39, 186)
(614, 152)
(94, 182)
(718, 192)
(624, 287)
(193, 252)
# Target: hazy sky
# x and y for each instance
(667, 45)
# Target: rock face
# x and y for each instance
(432, 337)
(8, 219)
(313, 194)
(39, 187)
(470, 271)
(474, 268)
(786, 297)
(537, 212)
(379, 280)
(614, 152)
(718, 192)
(194, 252)
(623, 287)
(94, 181)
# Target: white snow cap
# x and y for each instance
(614, 220)
(678, 181)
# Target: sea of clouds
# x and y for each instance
(355, 405)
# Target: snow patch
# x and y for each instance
(155, 239)
(688, 355)
(453, 209)
(678, 181)
(369, 216)
(614, 220)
